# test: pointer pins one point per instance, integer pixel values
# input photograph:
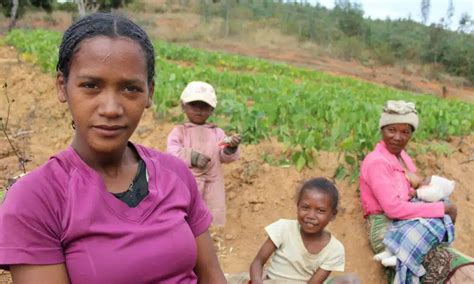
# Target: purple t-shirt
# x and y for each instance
(62, 213)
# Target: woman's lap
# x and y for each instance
(378, 225)
(442, 263)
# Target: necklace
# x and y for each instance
(130, 187)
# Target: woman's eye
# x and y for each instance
(133, 89)
(88, 85)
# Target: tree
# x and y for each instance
(350, 17)
(425, 10)
(446, 21)
(14, 9)
(85, 7)
(7, 5)
(435, 48)
(13, 15)
(466, 24)
(204, 6)
(450, 12)
(226, 16)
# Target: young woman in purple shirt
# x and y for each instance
(106, 210)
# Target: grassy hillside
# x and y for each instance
(349, 35)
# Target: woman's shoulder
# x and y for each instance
(46, 183)
(374, 158)
(53, 169)
(374, 155)
(165, 160)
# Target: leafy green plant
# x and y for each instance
(306, 110)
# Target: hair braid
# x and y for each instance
(103, 24)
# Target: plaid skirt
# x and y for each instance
(443, 264)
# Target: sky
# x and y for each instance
(380, 9)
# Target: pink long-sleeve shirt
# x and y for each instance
(384, 189)
(204, 139)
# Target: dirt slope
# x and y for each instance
(257, 193)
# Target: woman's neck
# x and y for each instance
(108, 163)
(401, 161)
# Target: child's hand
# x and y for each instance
(230, 141)
(235, 141)
(202, 161)
(199, 160)
(414, 179)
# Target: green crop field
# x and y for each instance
(306, 110)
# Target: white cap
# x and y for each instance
(199, 91)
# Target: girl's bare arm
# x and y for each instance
(319, 276)
(256, 268)
(32, 274)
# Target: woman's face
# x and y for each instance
(396, 136)
(107, 92)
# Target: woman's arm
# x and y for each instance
(207, 266)
(256, 268)
(33, 274)
(382, 183)
(319, 276)
(415, 180)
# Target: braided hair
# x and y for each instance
(322, 185)
(103, 24)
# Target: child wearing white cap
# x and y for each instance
(204, 147)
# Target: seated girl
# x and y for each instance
(303, 251)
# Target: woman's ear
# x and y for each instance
(151, 92)
(61, 87)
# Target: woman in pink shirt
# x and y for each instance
(386, 178)
(106, 210)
